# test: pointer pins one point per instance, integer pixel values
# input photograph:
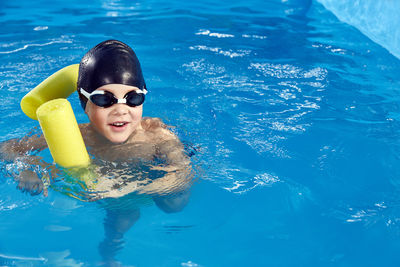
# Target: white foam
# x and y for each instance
(254, 36)
(190, 264)
(40, 28)
(214, 34)
(218, 50)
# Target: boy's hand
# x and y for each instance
(28, 181)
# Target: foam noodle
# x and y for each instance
(59, 85)
(62, 133)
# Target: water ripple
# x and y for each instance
(260, 180)
(281, 71)
(219, 51)
(262, 109)
(26, 46)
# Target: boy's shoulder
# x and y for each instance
(157, 128)
(151, 124)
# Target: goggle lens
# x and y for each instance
(134, 99)
(105, 101)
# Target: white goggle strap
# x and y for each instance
(101, 92)
(140, 91)
(83, 92)
(121, 101)
(87, 95)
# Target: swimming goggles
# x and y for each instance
(106, 99)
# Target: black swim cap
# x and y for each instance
(109, 62)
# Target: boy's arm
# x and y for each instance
(169, 147)
(171, 192)
(172, 151)
(17, 150)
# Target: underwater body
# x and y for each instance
(290, 117)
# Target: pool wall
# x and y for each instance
(378, 20)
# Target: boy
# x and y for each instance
(112, 91)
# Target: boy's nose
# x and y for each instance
(120, 109)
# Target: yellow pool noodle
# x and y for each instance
(62, 133)
(59, 85)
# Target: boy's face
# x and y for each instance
(118, 122)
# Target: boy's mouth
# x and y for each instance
(118, 125)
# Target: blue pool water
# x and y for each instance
(293, 114)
